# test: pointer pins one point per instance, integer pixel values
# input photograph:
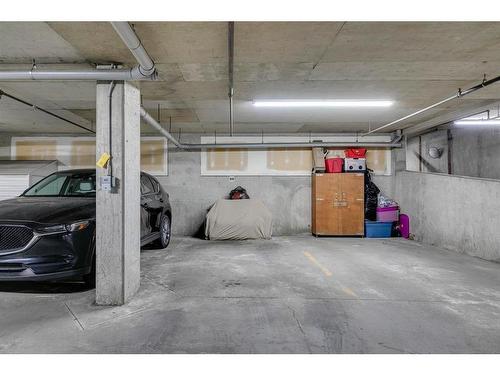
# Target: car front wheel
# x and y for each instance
(165, 232)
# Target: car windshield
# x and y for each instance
(64, 185)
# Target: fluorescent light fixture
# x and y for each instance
(478, 122)
(323, 103)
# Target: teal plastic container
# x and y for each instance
(377, 229)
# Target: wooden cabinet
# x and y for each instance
(338, 204)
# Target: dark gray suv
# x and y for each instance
(48, 232)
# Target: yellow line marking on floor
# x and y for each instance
(349, 291)
(318, 264)
(327, 272)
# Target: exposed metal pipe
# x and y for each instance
(459, 94)
(112, 86)
(132, 74)
(395, 143)
(230, 53)
(151, 121)
(129, 37)
(231, 113)
(3, 93)
(252, 146)
(144, 71)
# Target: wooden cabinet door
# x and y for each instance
(352, 209)
(325, 213)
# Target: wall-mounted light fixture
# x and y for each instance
(435, 152)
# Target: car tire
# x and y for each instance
(165, 233)
(89, 279)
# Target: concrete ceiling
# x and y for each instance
(414, 64)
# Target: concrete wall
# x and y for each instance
(475, 152)
(287, 197)
(417, 153)
(458, 213)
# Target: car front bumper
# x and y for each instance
(29, 275)
(50, 257)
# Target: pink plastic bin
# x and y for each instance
(404, 225)
(388, 214)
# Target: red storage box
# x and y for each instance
(334, 165)
(355, 153)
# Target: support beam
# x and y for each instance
(118, 211)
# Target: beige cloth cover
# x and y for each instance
(238, 219)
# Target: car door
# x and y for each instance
(156, 204)
(147, 199)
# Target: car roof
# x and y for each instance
(76, 171)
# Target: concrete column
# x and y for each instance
(118, 211)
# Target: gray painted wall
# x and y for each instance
(453, 212)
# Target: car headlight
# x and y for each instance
(57, 229)
(53, 229)
(79, 225)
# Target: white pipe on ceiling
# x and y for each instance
(395, 143)
(129, 37)
(461, 93)
(132, 74)
(145, 70)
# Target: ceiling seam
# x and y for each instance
(326, 50)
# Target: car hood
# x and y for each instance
(52, 210)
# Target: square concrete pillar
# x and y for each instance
(118, 211)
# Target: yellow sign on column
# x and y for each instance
(103, 160)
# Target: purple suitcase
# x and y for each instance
(404, 225)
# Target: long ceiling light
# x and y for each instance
(478, 122)
(323, 103)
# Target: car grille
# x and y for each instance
(14, 237)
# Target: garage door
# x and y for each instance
(13, 185)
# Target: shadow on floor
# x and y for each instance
(31, 287)
(52, 287)
(150, 246)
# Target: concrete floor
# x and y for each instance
(288, 295)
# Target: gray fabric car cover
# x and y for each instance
(238, 219)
